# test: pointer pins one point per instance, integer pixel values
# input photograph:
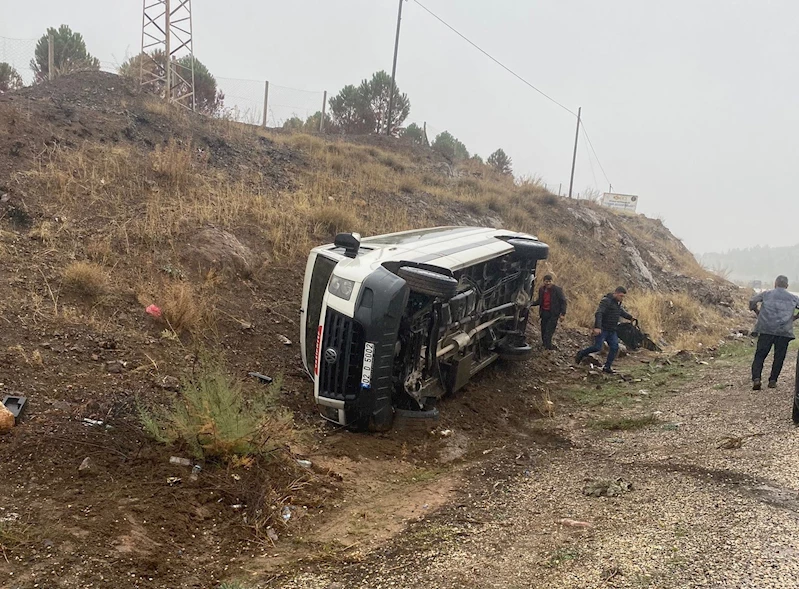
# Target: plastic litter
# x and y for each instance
(14, 404)
(304, 463)
(262, 377)
(154, 311)
(179, 461)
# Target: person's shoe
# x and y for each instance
(578, 358)
(553, 347)
(756, 384)
(772, 384)
(607, 370)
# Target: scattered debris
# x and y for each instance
(604, 488)
(170, 383)
(573, 523)
(93, 422)
(195, 472)
(154, 311)
(284, 340)
(237, 506)
(172, 481)
(735, 442)
(730, 443)
(286, 514)
(445, 433)
(304, 463)
(271, 534)
(9, 517)
(179, 461)
(14, 404)
(115, 366)
(262, 377)
(7, 420)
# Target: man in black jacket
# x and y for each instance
(552, 306)
(606, 322)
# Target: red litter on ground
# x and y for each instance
(154, 311)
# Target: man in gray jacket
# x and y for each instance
(774, 328)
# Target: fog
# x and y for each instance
(688, 104)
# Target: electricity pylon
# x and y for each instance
(166, 43)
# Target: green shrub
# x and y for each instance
(212, 418)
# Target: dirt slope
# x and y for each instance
(110, 201)
(713, 503)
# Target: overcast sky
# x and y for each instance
(690, 103)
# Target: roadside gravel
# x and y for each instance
(699, 514)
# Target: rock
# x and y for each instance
(86, 467)
(573, 523)
(284, 340)
(215, 249)
(612, 488)
(730, 443)
(271, 534)
(115, 367)
(7, 420)
(170, 383)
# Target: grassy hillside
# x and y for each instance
(102, 175)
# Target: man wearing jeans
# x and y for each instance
(606, 322)
(774, 328)
(552, 303)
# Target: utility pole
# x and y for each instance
(324, 111)
(394, 71)
(574, 157)
(50, 57)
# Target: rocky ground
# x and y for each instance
(703, 483)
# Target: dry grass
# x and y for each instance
(86, 279)
(678, 318)
(160, 198)
(183, 310)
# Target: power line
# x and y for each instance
(491, 57)
(591, 165)
(513, 73)
(591, 145)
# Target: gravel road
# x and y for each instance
(702, 512)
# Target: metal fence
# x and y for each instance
(247, 101)
(18, 53)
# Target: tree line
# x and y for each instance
(356, 110)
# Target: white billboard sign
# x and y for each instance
(623, 202)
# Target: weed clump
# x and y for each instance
(85, 278)
(329, 220)
(182, 310)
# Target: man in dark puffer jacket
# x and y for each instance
(606, 322)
